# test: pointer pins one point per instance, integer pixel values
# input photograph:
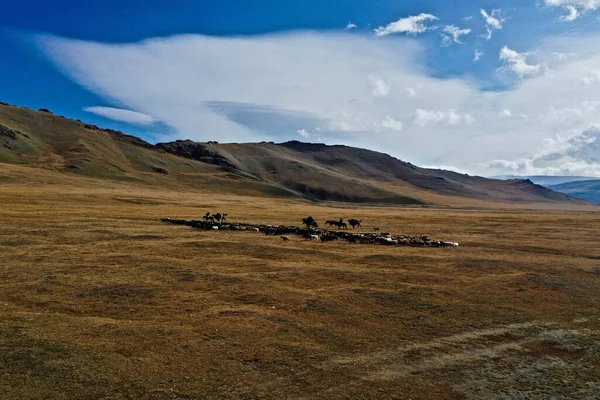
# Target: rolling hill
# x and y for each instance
(39, 139)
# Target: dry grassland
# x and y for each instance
(100, 300)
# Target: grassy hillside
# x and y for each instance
(48, 142)
(350, 174)
(44, 140)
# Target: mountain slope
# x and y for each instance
(45, 140)
(349, 174)
(312, 171)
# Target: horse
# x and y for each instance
(219, 217)
(285, 238)
(331, 223)
(343, 225)
(310, 222)
(354, 223)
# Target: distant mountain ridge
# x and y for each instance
(588, 190)
(547, 180)
(315, 172)
(583, 187)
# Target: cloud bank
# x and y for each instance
(350, 88)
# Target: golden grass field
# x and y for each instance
(100, 300)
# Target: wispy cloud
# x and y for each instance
(392, 123)
(303, 132)
(574, 8)
(119, 114)
(493, 21)
(584, 4)
(411, 25)
(347, 88)
(453, 33)
(450, 117)
(477, 55)
(350, 26)
(572, 15)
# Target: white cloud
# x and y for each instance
(119, 114)
(563, 56)
(379, 87)
(303, 132)
(571, 16)
(411, 92)
(450, 117)
(477, 55)
(574, 113)
(411, 25)
(573, 155)
(350, 26)
(445, 168)
(584, 4)
(492, 21)
(574, 8)
(393, 124)
(517, 62)
(506, 113)
(239, 89)
(452, 33)
(591, 78)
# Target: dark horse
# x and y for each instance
(310, 222)
(354, 223)
(220, 217)
(208, 217)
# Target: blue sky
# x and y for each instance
(485, 87)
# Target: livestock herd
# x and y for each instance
(311, 231)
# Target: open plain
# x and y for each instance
(100, 300)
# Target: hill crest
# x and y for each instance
(312, 171)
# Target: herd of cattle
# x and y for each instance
(310, 232)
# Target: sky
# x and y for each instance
(481, 87)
